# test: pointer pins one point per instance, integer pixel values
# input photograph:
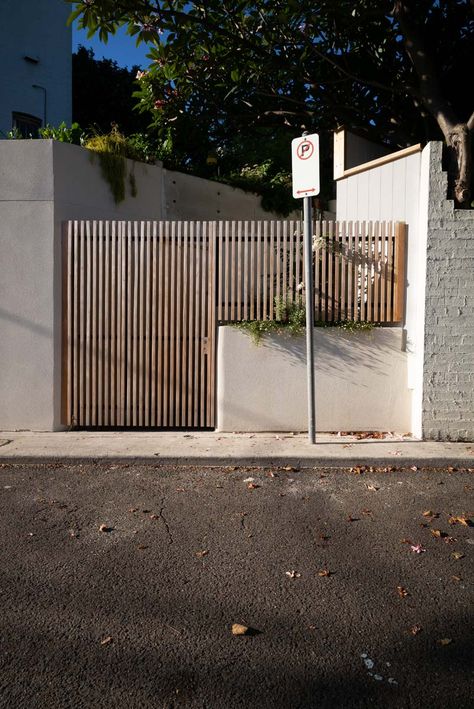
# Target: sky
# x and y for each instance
(120, 47)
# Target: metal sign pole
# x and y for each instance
(305, 174)
(309, 289)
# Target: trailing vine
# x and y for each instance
(112, 150)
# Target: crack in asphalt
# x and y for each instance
(165, 521)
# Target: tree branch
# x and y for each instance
(430, 89)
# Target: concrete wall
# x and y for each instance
(26, 288)
(36, 29)
(391, 192)
(448, 372)
(361, 382)
(190, 197)
(42, 184)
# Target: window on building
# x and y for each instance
(26, 124)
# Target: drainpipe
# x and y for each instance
(45, 94)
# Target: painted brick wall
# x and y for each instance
(448, 379)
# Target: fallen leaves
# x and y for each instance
(324, 573)
(438, 533)
(374, 488)
(105, 528)
(252, 486)
(457, 555)
(358, 469)
(445, 641)
(464, 521)
(291, 469)
(201, 554)
(416, 629)
(107, 640)
(293, 574)
(239, 629)
(402, 592)
(456, 579)
(364, 435)
(417, 548)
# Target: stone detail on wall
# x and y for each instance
(448, 377)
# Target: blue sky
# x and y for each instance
(120, 47)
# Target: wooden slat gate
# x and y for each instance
(139, 300)
(142, 301)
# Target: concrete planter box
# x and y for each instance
(361, 382)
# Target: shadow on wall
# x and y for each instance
(337, 350)
(26, 323)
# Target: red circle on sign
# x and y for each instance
(305, 149)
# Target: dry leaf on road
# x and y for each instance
(457, 555)
(293, 574)
(238, 629)
(464, 521)
(324, 572)
(106, 641)
(402, 592)
(202, 553)
(416, 629)
(105, 528)
(417, 548)
(445, 641)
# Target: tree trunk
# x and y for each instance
(459, 144)
(456, 134)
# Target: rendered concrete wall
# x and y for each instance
(190, 197)
(391, 192)
(448, 373)
(361, 382)
(37, 29)
(26, 288)
(43, 183)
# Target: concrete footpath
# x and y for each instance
(212, 448)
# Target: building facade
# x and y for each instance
(35, 56)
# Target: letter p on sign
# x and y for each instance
(305, 166)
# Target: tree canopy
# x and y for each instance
(102, 94)
(223, 69)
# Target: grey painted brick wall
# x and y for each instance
(448, 377)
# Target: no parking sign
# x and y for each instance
(305, 166)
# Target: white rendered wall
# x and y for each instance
(391, 192)
(35, 28)
(361, 382)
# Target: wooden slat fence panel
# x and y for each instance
(142, 301)
(140, 321)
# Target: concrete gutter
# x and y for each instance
(221, 449)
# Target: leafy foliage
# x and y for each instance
(221, 71)
(102, 94)
(112, 149)
(290, 318)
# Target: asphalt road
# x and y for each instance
(140, 615)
